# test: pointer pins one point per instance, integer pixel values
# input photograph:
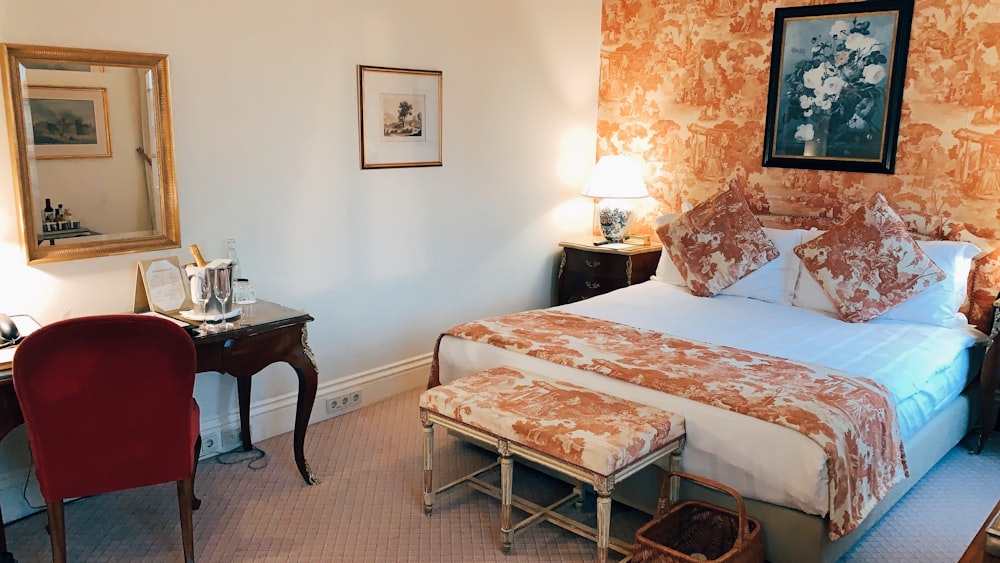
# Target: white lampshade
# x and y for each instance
(615, 180)
(616, 176)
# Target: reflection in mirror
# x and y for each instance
(93, 151)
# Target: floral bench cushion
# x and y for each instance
(597, 432)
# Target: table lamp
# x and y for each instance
(616, 180)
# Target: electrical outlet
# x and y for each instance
(210, 444)
(345, 402)
(229, 438)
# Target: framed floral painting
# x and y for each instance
(836, 86)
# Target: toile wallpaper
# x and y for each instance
(683, 85)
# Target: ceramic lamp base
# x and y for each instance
(615, 216)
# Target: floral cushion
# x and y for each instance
(592, 430)
(868, 263)
(717, 242)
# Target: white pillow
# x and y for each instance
(773, 282)
(937, 305)
(665, 270)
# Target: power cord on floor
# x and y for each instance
(27, 479)
(255, 459)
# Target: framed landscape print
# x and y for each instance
(399, 114)
(69, 122)
(836, 87)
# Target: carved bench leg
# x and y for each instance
(506, 493)
(603, 525)
(428, 463)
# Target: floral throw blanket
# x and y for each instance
(851, 418)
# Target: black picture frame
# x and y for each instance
(836, 86)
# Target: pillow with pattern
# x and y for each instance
(716, 243)
(868, 263)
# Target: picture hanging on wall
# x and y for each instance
(836, 88)
(399, 115)
(69, 122)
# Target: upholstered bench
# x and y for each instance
(585, 435)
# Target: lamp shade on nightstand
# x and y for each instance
(616, 180)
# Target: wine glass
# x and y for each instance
(243, 293)
(201, 292)
(222, 288)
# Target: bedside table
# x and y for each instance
(989, 381)
(587, 270)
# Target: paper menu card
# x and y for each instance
(161, 286)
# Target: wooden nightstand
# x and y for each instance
(989, 381)
(587, 270)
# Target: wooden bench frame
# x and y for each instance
(603, 484)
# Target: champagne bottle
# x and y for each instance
(198, 260)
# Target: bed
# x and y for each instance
(921, 352)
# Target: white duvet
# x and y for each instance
(922, 366)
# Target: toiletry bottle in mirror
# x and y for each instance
(48, 214)
(234, 259)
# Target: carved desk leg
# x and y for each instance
(303, 362)
(243, 395)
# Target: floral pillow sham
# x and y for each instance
(716, 243)
(773, 282)
(868, 263)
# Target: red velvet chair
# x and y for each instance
(108, 404)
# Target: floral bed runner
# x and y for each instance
(850, 417)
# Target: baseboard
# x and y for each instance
(269, 417)
(276, 415)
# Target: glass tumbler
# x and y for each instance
(244, 296)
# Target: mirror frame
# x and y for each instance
(167, 234)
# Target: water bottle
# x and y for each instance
(234, 259)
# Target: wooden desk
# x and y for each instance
(976, 551)
(274, 334)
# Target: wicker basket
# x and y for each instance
(694, 531)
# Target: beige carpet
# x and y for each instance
(368, 508)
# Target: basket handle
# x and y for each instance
(666, 500)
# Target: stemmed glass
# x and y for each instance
(201, 292)
(244, 295)
(222, 288)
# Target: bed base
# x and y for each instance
(792, 536)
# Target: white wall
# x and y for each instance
(265, 131)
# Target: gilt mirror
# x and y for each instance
(92, 151)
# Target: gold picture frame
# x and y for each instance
(69, 122)
(399, 117)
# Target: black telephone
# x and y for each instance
(9, 335)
